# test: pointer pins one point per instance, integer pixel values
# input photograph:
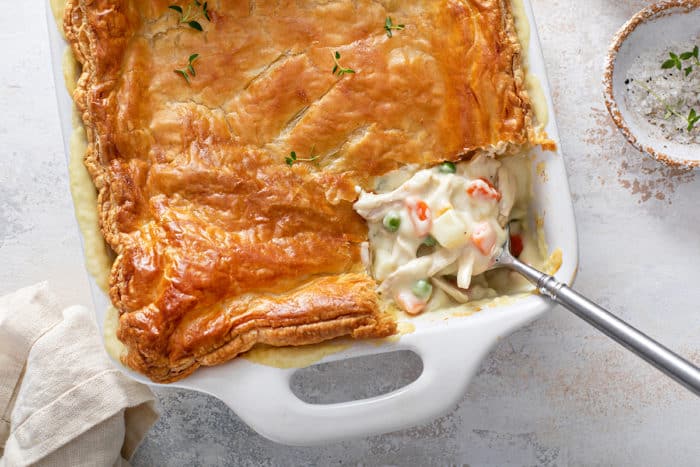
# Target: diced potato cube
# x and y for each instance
(449, 230)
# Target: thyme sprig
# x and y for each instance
(677, 61)
(338, 69)
(189, 69)
(293, 159)
(192, 14)
(690, 120)
(389, 27)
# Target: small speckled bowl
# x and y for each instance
(667, 21)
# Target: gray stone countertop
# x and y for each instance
(553, 393)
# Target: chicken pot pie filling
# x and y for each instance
(434, 230)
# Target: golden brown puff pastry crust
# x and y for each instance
(220, 244)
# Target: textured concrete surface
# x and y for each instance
(554, 393)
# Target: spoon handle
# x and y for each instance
(644, 346)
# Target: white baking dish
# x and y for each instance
(451, 349)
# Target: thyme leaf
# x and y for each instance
(692, 119)
(338, 68)
(389, 27)
(183, 73)
(205, 11)
(192, 14)
(189, 69)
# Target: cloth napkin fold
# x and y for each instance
(62, 402)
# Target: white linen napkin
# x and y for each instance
(62, 402)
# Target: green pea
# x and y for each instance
(422, 289)
(447, 168)
(392, 221)
(430, 241)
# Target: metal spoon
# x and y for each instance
(644, 346)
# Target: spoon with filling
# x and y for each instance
(644, 346)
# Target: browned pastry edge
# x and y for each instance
(77, 37)
(305, 334)
(265, 320)
(534, 138)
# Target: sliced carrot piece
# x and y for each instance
(422, 210)
(484, 189)
(420, 214)
(409, 303)
(484, 237)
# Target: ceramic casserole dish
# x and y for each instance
(451, 347)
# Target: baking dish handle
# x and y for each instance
(263, 398)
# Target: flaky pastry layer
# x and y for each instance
(221, 244)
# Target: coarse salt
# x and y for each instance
(651, 91)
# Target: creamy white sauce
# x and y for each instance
(463, 212)
(532, 83)
(113, 346)
(98, 256)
